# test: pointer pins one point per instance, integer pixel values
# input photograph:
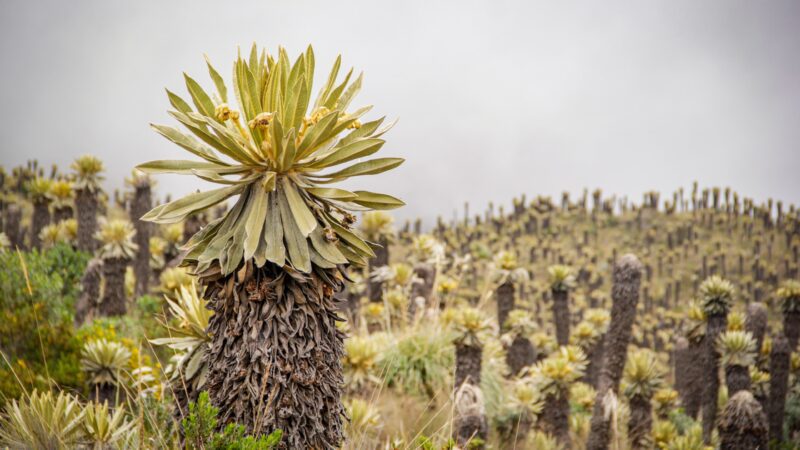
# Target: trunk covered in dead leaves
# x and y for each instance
(275, 356)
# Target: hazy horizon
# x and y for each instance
(493, 99)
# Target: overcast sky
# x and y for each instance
(494, 98)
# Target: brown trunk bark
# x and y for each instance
(715, 325)
(505, 302)
(12, 227)
(640, 423)
(791, 328)
(778, 387)
(561, 316)
(113, 302)
(737, 378)
(62, 213)
(625, 296)
(275, 356)
(520, 354)
(468, 364)
(40, 219)
(555, 417)
(86, 207)
(756, 323)
(140, 205)
(90, 292)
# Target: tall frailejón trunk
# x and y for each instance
(62, 213)
(756, 322)
(595, 356)
(40, 219)
(561, 316)
(791, 328)
(468, 363)
(742, 424)
(141, 204)
(114, 302)
(640, 423)
(12, 226)
(737, 378)
(695, 377)
(505, 302)
(275, 356)
(681, 360)
(90, 291)
(555, 416)
(519, 355)
(86, 205)
(715, 325)
(625, 295)
(779, 361)
(375, 287)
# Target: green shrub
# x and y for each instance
(201, 424)
(36, 334)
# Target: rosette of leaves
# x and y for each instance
(471, 324)
(520, 323)
(789, 295)
(286, 241)
(102, 428)
(737, 348)
(377, 225)
(51, 235)
(38, 190)
(643, 375)
(190, 339)
(42, 420)
(507, 269)
(736, 321)
(716, 294)
(61, 193)
(584, 335)
(554, 374)
(696, 323)
(104, 361)
(158, 246)
(116, 237)
(87, 173)
(362, 355)
(562, 277)
(279, 161)
(427, 249)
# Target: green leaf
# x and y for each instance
(323, 95)
(317, 134)
(255, 221)
(326, 249)
(349, 152)
(377, 201)
(179, 209)
(331, 193)
(178, 103)
(371, 167)
(350, 93)
(180, 166)
(366, 130)
(187, 143)
(273, 232)
(351, 238)
(218, 81)
(201, 100)
(296, 243)
(303, 217)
